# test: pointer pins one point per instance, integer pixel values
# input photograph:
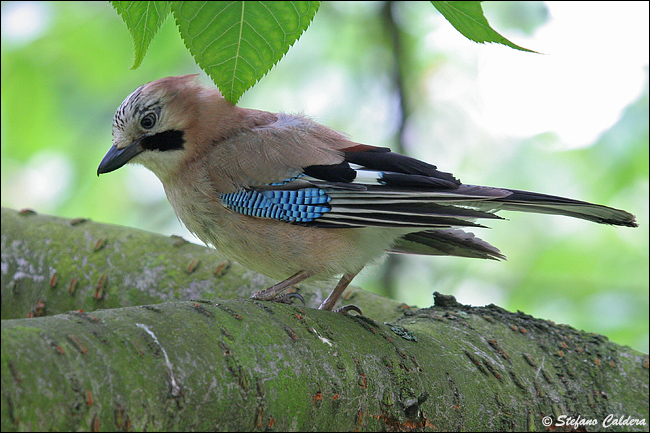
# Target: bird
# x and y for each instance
(298, 201)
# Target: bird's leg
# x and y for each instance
(329, 303)
(273, 291)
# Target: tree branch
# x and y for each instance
(248, 365)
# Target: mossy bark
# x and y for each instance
(171, 363)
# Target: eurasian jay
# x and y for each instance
(295, 200)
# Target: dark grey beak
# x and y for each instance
(116, 158)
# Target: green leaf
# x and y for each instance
(237, 43)
(143, 19)
(467, 17)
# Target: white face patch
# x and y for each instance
(162, 164)
(141, 117)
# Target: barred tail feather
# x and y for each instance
(446, 242)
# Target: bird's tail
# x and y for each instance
(446, 242)
(456, 242)
(525, 201)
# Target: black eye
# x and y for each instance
(148, 121)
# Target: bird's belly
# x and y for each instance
(279, 249)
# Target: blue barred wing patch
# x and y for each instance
(301, 205)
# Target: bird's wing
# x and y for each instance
(417, 194)
(360, 186)
(298, 171)
(373, 187)
(272, 151)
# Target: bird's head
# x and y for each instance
(151, 126)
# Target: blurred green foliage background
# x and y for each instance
(571, 121)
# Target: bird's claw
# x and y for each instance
(288, 298)
(347, 308)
